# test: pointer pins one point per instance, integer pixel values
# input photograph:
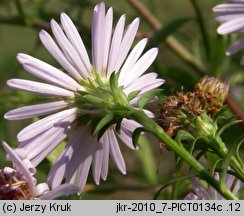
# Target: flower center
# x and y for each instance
(13, 188)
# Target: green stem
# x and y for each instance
(157, 131)
(234, 163)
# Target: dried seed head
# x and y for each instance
(178, 109)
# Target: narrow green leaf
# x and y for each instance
(103, 122)
(92, 99)
(167, 30)
(216, 162)
(102, 131)
(113, 81)
(183, 135)
(147, 97)
(118, 126)
(136, 135)
(133, 94)
(237, 152)
(226, 164)
(228, 125)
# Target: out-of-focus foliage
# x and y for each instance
(20, 22)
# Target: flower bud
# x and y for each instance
(199, 126)
(213, 87)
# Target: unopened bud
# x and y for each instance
(214, 88)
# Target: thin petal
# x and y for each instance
(98, 36)
(47, 72)
(232, 26)
(236, 46)
(141, 66)
(81, 161)
(41, 189)
(143, 82)
(149, 113)
(68, 49)
(55, 51)
(191, 196)
(126, 43)
(115, 45)
(130, 125)
(108, 33)
(56, 140)
(75, 39)
(225, 17)
(126, 137)
(199, 189)
(115, 152)
(127, 128)
(229, 8)
(82, 174)
(60, 167)
(46, 123)
(35, 110)
(97, 162)
(132, 59)
(38, 88)
(40, 143)
(22, 154)
(145, 88)
(105, 161)
(62, 190)
(21, 167)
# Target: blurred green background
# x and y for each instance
(20, 22)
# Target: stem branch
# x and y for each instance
(157, 131)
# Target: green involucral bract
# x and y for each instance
(102, 102)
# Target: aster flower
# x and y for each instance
(84, 96)
(200, 192)
(231, 14)
(19, 183)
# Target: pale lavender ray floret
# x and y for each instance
(200, 192)
(21, 178)
(231, 15)
(110, 53)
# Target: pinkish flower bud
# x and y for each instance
(214, 88)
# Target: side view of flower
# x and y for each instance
(86, 99)
(19, 183)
